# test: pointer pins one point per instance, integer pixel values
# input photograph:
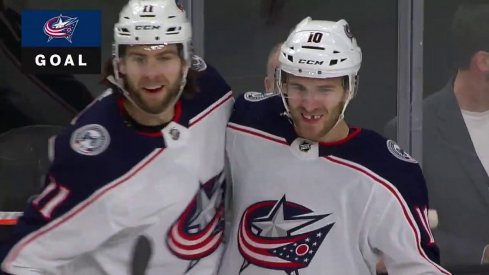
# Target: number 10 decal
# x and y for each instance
(315, 37)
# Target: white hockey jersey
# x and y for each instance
(121, 201)
(302, 207)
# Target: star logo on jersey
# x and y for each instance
(266, 236)
(60, 27)
(198, 231)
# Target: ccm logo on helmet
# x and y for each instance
(310, 62)
(147, 27)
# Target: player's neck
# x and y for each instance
(339, 132)
(148, 119)
(472, 91)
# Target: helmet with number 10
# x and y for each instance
(320, 52)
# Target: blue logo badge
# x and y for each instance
(60, 27)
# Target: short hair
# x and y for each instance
(470, 32)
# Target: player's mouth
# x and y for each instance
(309, 118)
(153, 88)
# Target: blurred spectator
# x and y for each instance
(456, 142)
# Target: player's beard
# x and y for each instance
(316, 132)
(150, 105)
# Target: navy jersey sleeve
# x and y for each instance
(89, 160)
(255, 109)
(401, 225)
(404, 172)
(211, 80)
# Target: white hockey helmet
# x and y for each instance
(321, 49)
(143, 22)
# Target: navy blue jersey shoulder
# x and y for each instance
(386, 159)
(212, 84)
(93, 152)
(87, 157)
(265, 114)
(253, 113)
(211, 87)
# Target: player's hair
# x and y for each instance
(470, 32)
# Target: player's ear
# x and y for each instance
(481, 61)
(485, 61)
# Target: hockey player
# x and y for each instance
(140, 170)
(312, 194)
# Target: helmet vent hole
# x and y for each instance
(171, 16)
(313, 48)
(157, 38)
(126, 17)
(333, 62)
(124, 31)
(300, 70)
(320, 72)
(137, 38)
(172, 29)
(343, 59)
(147, 15)
(336, 51)
(290, 58)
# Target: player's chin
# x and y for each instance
(308, 132)
(154, 107)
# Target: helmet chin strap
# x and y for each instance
(342, 114)
(119, 83)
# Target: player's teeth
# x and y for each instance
(153, 87)
(312, 116)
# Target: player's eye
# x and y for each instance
(137, 59)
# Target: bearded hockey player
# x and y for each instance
(132, 175)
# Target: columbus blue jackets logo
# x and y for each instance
(266, 236)
(398, 152)
(60, 27)
(198, 232)
(257, 96)
(90, 140)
